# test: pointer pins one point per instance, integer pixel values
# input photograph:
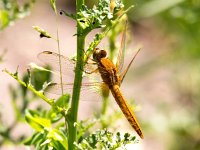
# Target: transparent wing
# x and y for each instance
(120, 57)
(54, 88)
(52, 59)
(86, 89)
(123, 74)
(67, 65)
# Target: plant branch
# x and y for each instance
(38, 93)
(73, 114)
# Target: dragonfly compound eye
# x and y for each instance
(103, 53)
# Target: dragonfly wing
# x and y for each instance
(120, 57)
(67, 65)
(123, 74)
(86, 88)
(55, 60)
(55, 88)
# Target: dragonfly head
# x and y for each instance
(98, 54)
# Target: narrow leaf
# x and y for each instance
(42, 32)
(53, 5)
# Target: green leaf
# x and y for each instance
(39, 76)
(34, 139)
(36, 122)
(54, 116)
(4, 19)
(58, 145)
(42, 32)
(58, 139)
(63, 101)
(46, 142)
(49, 139)
(53, 5)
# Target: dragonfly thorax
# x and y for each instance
(98, 54)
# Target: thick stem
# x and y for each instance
(72, 130)
(76, 92)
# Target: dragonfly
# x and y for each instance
(110, 77)
(111, 74)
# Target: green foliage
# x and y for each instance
(40, 120)
(46, 136)
(10, 10)
(96, 17)
(48, 139)
(37, 78)
(21, 99)
(104, 139)
(36, 122)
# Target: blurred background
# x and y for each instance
(164, 80)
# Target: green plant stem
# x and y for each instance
(76, 92)
(73, 115)
(38, 93)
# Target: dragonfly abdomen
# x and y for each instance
(117, 94)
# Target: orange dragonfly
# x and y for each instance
(111, 75)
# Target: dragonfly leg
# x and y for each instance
(94, 71)
(90, 72)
